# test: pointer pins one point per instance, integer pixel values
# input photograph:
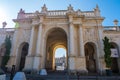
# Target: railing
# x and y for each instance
(89, 14)
(6, 29)
(26, 15)
(110, 28)
(30, 15)
(57, 13)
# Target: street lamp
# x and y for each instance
(116, 24)
(4, 24)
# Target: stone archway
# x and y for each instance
(56, 37)
(23, 53)
(90, 57)
(114, 66)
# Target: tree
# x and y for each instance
(7, 52)
(107, 56)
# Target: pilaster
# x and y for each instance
(38, 48)
(100, 52)
(38, 55)
(30, 57)
(29, 62)
(77, 64)
(81, 43)
(71, 37)
(30, 51)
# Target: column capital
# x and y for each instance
(70, 18)
(80, 25)
(41, 18)
(71, 23)
(40, 23)
(35, 24)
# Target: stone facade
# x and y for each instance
(79, 32)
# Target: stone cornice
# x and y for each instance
(22, 20)
(111, 32)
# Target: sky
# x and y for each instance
(10, 8)
(60, 52)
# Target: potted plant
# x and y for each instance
(6, 56)
(2, 75)
(107, 55)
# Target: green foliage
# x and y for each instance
(107, 56)
(6, 56)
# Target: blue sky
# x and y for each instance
(9, 8)
(60, 52)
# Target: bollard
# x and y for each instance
(78, 75)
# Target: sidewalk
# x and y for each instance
(64, 76)
(71, 77)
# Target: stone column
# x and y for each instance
(30, 56)
(81, 43)
(71, 45)
(30, 51)
(71, 36)
(100, 51)
(82, 68)
(38, 55)
(38, 48)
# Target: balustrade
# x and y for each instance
(110, 28)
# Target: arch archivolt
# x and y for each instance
(50, 29)
(20, 53)
(115, 45)
(115, 60)
(55, 37)
(91, 54)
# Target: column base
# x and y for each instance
(29, 63)
(37, 63)
(12, 61)
(77, 65)
(102, 66)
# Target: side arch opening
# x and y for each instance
(114, 66)
(23, 52)
(90, 54)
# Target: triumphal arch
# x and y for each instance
(79, 32)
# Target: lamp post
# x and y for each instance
(4, 24)
(116, 24)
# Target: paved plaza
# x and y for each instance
(64, 76)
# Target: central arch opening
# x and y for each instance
(60, 59)
(56, 42)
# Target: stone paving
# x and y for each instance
(63, 76)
